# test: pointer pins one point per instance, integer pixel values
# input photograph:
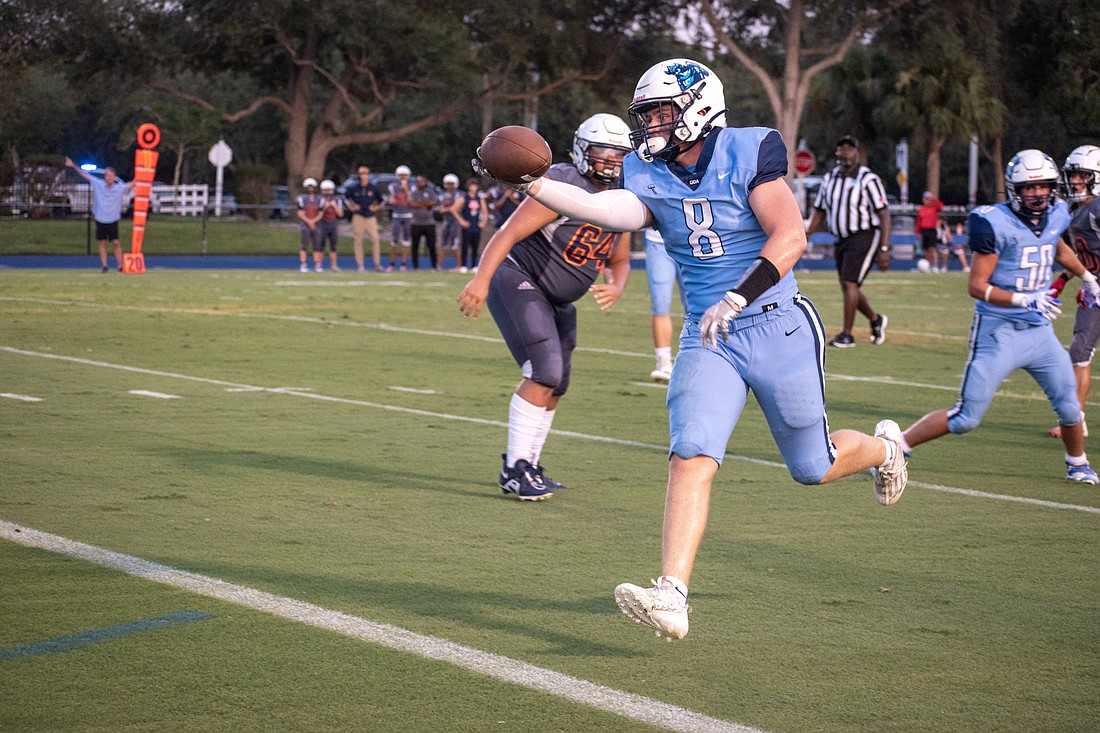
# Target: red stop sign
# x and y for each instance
(804, 162)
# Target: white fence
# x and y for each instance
(189, 200)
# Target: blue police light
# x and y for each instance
(87, 166)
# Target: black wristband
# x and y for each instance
(760, 276)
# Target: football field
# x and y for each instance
(266, 501)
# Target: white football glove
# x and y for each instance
(1090, 291)
(1042, 303)
(717, 319)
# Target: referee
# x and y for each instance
(852, 201)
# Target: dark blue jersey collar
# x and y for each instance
(692, 178)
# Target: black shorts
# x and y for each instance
(540, 334)
(855, 255)
(106, 231)
(929, 238)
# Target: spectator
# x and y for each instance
(661, 273)
(328, 229)
(424, 202)
(503, 202)
(401, 214)
(946, 244)
(451, 233)
(928, 216)
(472, 215)
(309, 213)
(364, 199)
(852, 201)
(108, 195)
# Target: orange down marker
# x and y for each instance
(145, 169)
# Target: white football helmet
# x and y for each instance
(599, 145)
(402, 170)
(450, 178)
(327, 185)
(1084, 159)
(309, 182)
(676, 103)
(1030, 166)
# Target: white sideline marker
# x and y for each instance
(20, 397)
(413, 390)
(158, 395)
(628, 705)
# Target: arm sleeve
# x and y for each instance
(615, 209)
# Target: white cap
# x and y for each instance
(402, 170)
(327, 185)
(309, 182)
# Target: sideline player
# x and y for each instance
(533, 269)
(1081, 183)
(1014, 244)
(661, 275)
(730, 221)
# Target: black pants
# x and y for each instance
(471, 240)
(427, 233)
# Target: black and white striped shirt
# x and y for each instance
(851, 203)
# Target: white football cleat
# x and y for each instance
(662, 608)
(661, 374)
(890, 480)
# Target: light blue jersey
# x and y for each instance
(1025, 259)
(704, 214)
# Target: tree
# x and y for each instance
(945, 98)
(344, 72)
(787, 44)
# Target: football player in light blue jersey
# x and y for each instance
(1015, 245)
(731, 223)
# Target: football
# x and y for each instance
(515, 154)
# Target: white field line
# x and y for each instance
(20, 397)
(235, 387)
(547, 681)
(474, 337)
(157, 395)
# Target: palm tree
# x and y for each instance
(945, 97)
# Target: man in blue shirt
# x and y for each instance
(1015, 244)
(732, 225)
(364, 200)
(109, 193)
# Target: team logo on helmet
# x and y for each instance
(688, 75)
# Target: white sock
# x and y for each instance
(1080, 460)
(905, 447)
(524, 421)
(891, 452)
(664, 357)
(676, 583)
(540, 438)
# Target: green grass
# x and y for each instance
(164, 235)
(815, 608)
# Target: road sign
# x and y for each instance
(804, 162)
(220, 156)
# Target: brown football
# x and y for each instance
(515, 154)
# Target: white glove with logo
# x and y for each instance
(1042, 303)
(1089, 296)
(717, 319)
